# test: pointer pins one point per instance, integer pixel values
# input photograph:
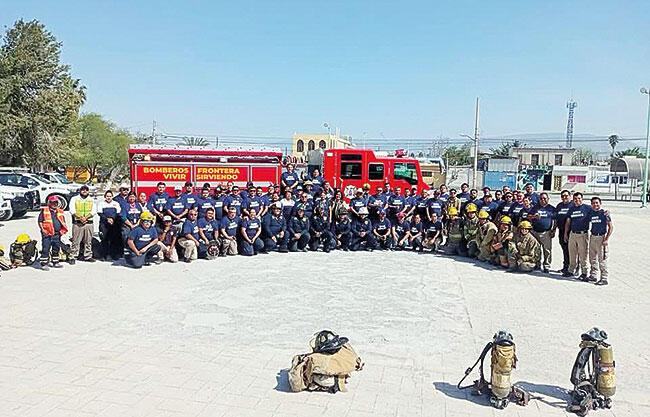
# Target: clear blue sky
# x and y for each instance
(404, 69)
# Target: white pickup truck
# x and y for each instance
(35, 183)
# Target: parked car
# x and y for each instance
(41, 186)
(58, 178)
(15, 202)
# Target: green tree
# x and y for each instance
(613, 141)
(583, 156)
(504, 147)
(635, 151)
(458, 155)
(39, 99)
(194, 141)
(101, 146)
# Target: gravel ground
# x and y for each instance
(215, 337)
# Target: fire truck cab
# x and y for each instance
(348, 169)
(174, 165)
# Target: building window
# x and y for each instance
(558, 159)
(577, 178)
(351, 170)
(376, 171)
(322, 144)
(534, 159)
(300, 146)
(311, 145)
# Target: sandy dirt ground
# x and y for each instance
(215, 338)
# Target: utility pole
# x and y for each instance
(153, 133)
(571, 105)
(647, 151)
(476, 139)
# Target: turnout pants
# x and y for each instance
(82, 233)
(279, 243)
(326, 239)
(250, 249)
(545, 240)
(139, 260)
(363, 242)
(598, 255)
(578, 251)
(300, 243)
(384, 241)
(173, 257)
(53, 244)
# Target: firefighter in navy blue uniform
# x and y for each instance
(357, 203)
(190, 238)
(252, 202)
(235, 201)
(158, 202)
(299, 232)
(543, 221)
(362, 236)
(382, 229)
(189, 196)
(531, 194)
(142, 242)
(204, 203)
(561, 214)
(251, 230)
(208, 227)
(317, 180)
(473, 198)
(342, 229)
(320, 230)
(289, 179)
(229, 228)
(323, 203)
(601, 230)
(274, 228)
(408, 203)
(264, 207)
(377, 202)
(305, 204)
(401, 232)
(396, 203)
(435, 205)
(464, 195)
(420, 203)
(247, 192)
(525, 211)
(433, 234)
(268, 197)
(577, 223)
(489, 206)
(130, 213)
(219, 199)
(416, 233)
(444, 194)
(505, 206)
(176, 207)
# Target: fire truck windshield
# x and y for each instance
(406, 171)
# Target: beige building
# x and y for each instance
(305, 142)
(543, 156)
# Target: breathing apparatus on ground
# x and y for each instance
(592, 376)
(502, 361)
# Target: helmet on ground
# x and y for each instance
(471, 207)
(363, 210)
(453, 211)
(483, 214)
(525, 224)
(506, 220)
(327, 342)
(146, 216)
(23, 238)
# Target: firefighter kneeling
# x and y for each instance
(502, 246)
(327, 368)
(526, 252)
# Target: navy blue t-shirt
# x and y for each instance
(416, 228)
(382, 226)
(401, 228)
(546, 214)
(176, 205)
(562, 212)
(251, 226)
(209, 227)
(218, 208)
(289, 178)
(204, 204)
(234, 201)
(142, 237)
(230, 225)
(436, 205)
(190, 199)
(580, 217)
(192, 228)
(434, 228)
(599, 222)
(158, 201)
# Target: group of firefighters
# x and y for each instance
(510, 228)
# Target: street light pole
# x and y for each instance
(647, 150)
(474, 185)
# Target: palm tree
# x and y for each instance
(194, 141)
(613, 141)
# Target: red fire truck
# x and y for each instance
(174, 165)
(348, 169)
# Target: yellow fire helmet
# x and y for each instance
(483, 214)
(525, 224)
(471, 208)
(506, 220)
(453, 211)
(23, 238)
(366, 186)
(146, 215)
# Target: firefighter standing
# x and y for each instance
(470, 229)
